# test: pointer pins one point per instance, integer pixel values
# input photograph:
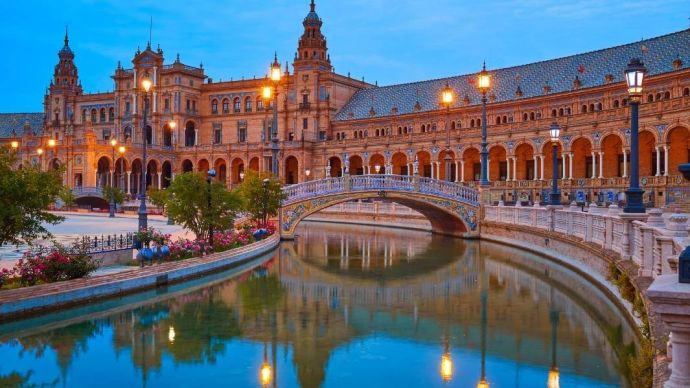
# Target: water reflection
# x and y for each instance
(399, 307)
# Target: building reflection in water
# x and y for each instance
(336, 286)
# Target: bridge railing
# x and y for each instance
(381, 182)
(448, 189)
(88, 191)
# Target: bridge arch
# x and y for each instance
(452, 209)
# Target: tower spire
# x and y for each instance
(313, 6)
(66, 36)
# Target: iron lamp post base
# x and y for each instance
(634, 201)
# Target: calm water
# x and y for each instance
(342, 306)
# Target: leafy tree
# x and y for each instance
(254, 195)
(157, 197)
(67, 197)
(109, 192)
(25, 195)
(187, 204)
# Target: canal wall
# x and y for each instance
(46, 297)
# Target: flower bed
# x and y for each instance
(183, 249)
(49, 266)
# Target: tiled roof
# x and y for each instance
(591, 68)
(10, 122)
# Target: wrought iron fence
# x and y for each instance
(108, 243)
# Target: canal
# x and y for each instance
(341, 306)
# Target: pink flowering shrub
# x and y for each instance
(5, 275)
(52, 265)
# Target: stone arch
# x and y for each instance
(190, 134)
(399, 163)
(120, 175)
(356, 165)
(152, 174)
(166, 174)
(446, 217)
(377, 160)
(612, 147)
(203, 166)
(472, 164)
(221, 167)
(187, 166)
(498, 165)
(582, 157)
(291, 170)
(254, 164)
(103, 172)
(678, 140)
(336, 167)
(524, 157)
(548, 159)
(135, 176)
(236, 168)
(424, 160)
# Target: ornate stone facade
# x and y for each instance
(328, 123)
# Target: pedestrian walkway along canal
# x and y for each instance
(341, 306)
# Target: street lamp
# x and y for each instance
(377, 168)
(555, 132)
(275, 78)
(40, 158)
(242, 176)
(307, 172)
(265, 201)
(447, 98)
(146, 85)
(483, 84)
(121, 150)
(14, 144)
(210, 174)
(634, 74)
(113, 143)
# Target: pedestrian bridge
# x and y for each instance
(452, 208)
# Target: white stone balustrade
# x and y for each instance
(652, 245)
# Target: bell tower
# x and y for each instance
(64, 86)
(312, 51)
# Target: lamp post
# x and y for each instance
(377, 168)
(265, 183)
(275, 78)
(555, 132)
(210, 174)
(146, 85)
(307, 172)
(447, 98)
(483, 84)
(634, 75)
(113, 143)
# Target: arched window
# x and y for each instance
(553, 113)
(458, 124)
(650, 98)
(355, 134)
(377, 132)
(591, 107)
(236, 105)
(190, 135)
(423, 128)
(399, 130)
(658, 97)
(616, 104)
(102, 115)
(93, 115)
(214, 107)
(599, 106)
(667, 95)
(505, 119)
(248, 104)
(567, 111)
(83, 116)
(525, 117)
(560, 112)
(259, 105)
(531, 116)
(111, 115)
(226, 106)
(686, 92)
(498, 120)
(128, 133)
(452, 125)
(584, 109)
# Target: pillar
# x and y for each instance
(488, 169)
(563, 162)
(601, 164)
(625, 163)
(514, 168)
(671, 300)
(508, 170)
(438, 170)
(462, 171)
(196, 136)
(541, 158)
(570, 165)
(128, 183)
(159, 180)
(665, 160)
(594, 165)
(658, 161)
(457, 171)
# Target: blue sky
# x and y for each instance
(389, 41)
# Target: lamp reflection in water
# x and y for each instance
(554, 375)
(266, 372)
(446, 364)
(484, 296)
(171, 334)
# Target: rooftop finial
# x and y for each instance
(66, 36)
(313, 6)
(484, 66)
(148, 45)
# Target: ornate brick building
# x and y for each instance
(329, 123)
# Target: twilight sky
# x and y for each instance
(389, 41)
